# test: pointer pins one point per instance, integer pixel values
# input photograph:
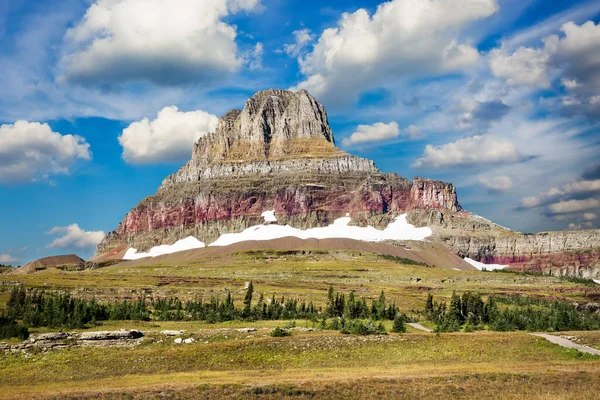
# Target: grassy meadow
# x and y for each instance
(226, 363)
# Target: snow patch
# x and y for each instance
(457, 269)
(269, 216)
(596, 281)
(188, 243)
(400, 229)
(487, 267)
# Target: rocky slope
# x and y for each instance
(563, 253)
(279, 153)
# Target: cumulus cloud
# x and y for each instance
(74, 236)
(30, 151)
(161, 41)
(570, 60)
(402, 38)
(168, 138)
(524, 67)
(497, 183)
(475, 150)
(581, 226)
(302, 38)
(372, 133)
(589, 216)
(380, 132)
(571, 206)
(7, 259)
(564, 192)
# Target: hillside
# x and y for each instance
(63, 261)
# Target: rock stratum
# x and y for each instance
(279, 153)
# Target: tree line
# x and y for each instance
(469, 312)
(33, 308)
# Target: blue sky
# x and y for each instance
(100, 100)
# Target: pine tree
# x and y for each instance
(248, 301)
(381, 306)
(399, 326)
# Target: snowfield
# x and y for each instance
(481, 266)
(188, 243)
(269, 216)
(400, 229)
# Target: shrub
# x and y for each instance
(280, 332)
(399, 326)
(360, 327)
(9, 328)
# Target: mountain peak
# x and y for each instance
(274, 125)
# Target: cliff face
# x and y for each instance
(278, 153)
(572, 253)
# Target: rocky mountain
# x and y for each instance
(279, 153)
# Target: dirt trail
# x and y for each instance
(419, 326)
(567, 343)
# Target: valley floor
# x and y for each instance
(226, 363)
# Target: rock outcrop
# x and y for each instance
(278, 153)
(563, 253)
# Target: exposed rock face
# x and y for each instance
(566, 253)
(63, 340)
(278, 153)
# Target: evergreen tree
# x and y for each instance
(399, 326)
(246, 312)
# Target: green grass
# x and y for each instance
(224, 363)
(301, 276)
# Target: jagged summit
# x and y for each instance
(274, 125)
(278, 131)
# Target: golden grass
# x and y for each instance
(323, 364)
(304, 277)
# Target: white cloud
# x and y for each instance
(530, 202)
(413, 132)
(523, 67)
(475, 150)
(373, 133)
(563, 192)
(30, 151)
(7, 259)
(570, 60)
(402, 38)
(302, 38)
(74, 236)
(497, 183)
(255, 57)
(379, 132)
(589, 216)
(167, 138)
(577, 227)
(570, 206)
(161, 41)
